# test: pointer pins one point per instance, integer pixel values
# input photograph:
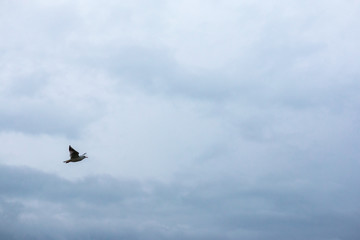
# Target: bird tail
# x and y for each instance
(67, 161)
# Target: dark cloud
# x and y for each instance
(43, 206)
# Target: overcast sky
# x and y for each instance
(202, 119)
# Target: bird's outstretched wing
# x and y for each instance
(73, 152)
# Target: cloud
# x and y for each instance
(201, 119)
(38, 205)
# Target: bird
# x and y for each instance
(74, 156)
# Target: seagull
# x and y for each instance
(74, 156)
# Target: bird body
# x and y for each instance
(74, 156)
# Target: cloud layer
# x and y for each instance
(39, 205)
(201, 119)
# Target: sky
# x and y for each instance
(202, 119)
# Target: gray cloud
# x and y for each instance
(39, 205)
(201, 119)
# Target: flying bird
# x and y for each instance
(74, 156)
